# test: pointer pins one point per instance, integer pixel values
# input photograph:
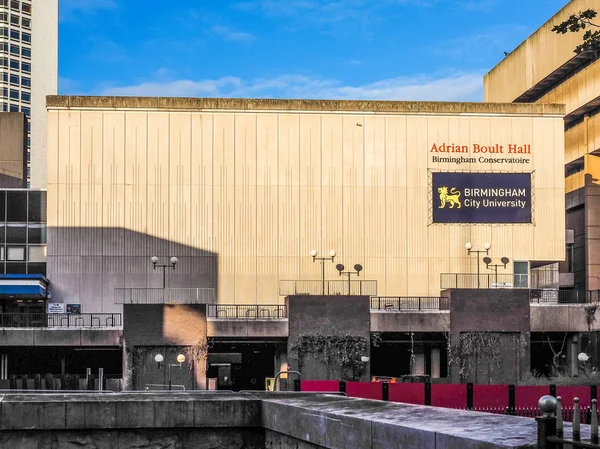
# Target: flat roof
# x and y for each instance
(257, 104)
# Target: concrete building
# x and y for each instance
(29, 71)
(13, 150)
(544, 69)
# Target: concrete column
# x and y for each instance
(435, 363)
(572, 353)
(418, 366)
(127, 384)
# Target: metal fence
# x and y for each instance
(247, 312)
(563, 296)
(60, 320)
(483, 281)
(164, 295)
(328, 288)
(400, 303)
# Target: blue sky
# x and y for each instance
(326, 49)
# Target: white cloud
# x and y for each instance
(457, 87)
(70, 8)
(231, 35)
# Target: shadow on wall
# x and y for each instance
(86, 264)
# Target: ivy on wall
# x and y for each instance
(342, 352)
(475, 349)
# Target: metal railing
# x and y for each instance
(60, 320)
(247, 312)
(542, 296)
(550, 427)
(400, 303)
(164, 295)
(328, 288)
(483, 281)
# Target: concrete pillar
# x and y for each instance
(572, 353)
(435, 363)
(418, 365)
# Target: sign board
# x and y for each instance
(481, 197)
(73, 308)
(56, 307)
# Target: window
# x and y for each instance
(570, 268)
(37, 253)
(26, 67)
(26, 82)
(4, 107)
(14, 79)
(5, 92)
(15, 253)
(14, 108)
(16, 233)
(1, 252)
(16, 206)
(27, 112)
(14, 94)
(3, 16)
(14, 64)
(5, 77)
(521, 274)
(26, 23)
(37, 233)
(14, 34)
(14, 4)
(3, 62)
(36, 268)
(26, 96)
(26, 52)
(4, 47)
(4, 32)
(37, 207)
(16, 268)
(26, 37)
(15, 20)
(15, 49)
(26, 8)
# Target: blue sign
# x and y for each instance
(481, 197)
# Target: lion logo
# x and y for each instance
(451, 198)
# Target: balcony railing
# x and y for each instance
(96, 320)
(409, 304)
(542, 296)
(328, 288)
(483, 281)
(164, 295)
(246, 312)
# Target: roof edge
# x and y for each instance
(172, 103)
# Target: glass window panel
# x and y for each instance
(16, 205)
(2, 206)
(36, 268)
(15, 253)
(37, 254)
(37, 207)
(16, 233)
(16, 268)
(2, 258)
(37, 233)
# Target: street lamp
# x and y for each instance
(357, 269)
(469, 247)
(158, 358)
(313, 254)
(488, 264)
(155, 264)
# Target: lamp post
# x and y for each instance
(488, 264)
(158, 358)
(469, 247)
(313, 254)
(155, 264)
(357, 269)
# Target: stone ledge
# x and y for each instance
(256, 104)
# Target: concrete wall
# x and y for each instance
(13, 150)
(327, 316)
(501, 316)
(60, 337)
(259, 183)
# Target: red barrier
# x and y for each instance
(449, 395)
(408, 393)
(490, 396)
(529, 396)
(365, 390)
(568, 393)
(322, 386)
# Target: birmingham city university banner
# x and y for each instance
(481, 197)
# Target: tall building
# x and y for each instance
(29, 71)
(545, 69)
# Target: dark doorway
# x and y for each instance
(242, 365)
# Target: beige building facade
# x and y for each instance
(242, 190)
(544, 69)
